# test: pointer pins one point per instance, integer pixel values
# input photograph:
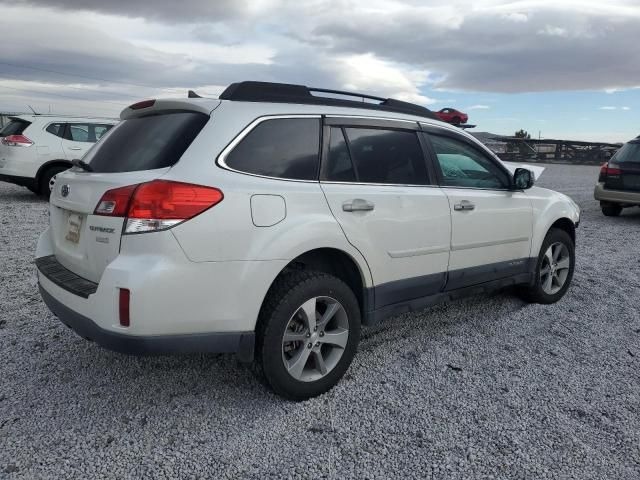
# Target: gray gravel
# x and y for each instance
(483, 388)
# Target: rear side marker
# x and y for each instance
(123, 307)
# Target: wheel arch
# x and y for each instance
(49, 164)
(338, 263)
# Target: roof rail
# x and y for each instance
(250, 91)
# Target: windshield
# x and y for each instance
(146, 143)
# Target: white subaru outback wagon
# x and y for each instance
(275, 221)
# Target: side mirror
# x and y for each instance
(523, 179)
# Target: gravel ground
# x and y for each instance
(488, 387)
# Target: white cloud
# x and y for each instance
(625, 108)
(553, 31)
(517, 17)
(608, 108)
(366, 73)
(479, 107)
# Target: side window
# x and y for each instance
(100, 130)
(56, 129)
(79, 132)
(465, 166)
(339, 165)
(386, 156)
(283, 148)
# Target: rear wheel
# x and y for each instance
(554, 269)
(308, 333)
(48, 180)
(611, 209)
(456, 120)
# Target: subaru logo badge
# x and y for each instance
(64, 190)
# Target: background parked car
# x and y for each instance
(451, 115)
(619, 181)
(35, 148)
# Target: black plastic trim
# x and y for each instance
(51, 268)
(416, 293)
(250, 91)
(21, 181)
(240, 343)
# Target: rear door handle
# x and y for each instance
(464, 205)
(358, 205)
(75, 148)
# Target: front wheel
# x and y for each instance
(554, 269)
(308, 333)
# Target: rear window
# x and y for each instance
(628, 153)
(146, 143)
(14, 127)
(282, 148)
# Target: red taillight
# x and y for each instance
(123, 307)
(16, 141)
(114, 203)
(164, 200)
(157, 205)
(605, 170)
(142, 104)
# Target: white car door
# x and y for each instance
(491, 225)
(376, 183)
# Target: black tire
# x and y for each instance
(284, 299)
(456, 120)
(535, 293)
(45, 178)
(611, 209)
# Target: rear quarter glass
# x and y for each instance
(628, 153)
(146, 143)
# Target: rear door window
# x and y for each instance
(14, 127)
(283, 148)
(146, 143)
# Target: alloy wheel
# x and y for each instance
(555, 268)
(315, 338)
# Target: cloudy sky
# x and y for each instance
(564, 68)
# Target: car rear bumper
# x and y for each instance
(240, 343)
(615, 196)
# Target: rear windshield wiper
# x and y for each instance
(82, 164)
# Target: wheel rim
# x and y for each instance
(52, 182)
(315, 338)
(555, 268)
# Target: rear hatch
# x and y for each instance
(141, 148)
(623, 170)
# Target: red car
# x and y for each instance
(451, 115)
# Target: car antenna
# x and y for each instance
(31, 108)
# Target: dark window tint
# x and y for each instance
(14, 127)
(56, 129)
(465, 166)
(386, 156)
(628, 153)
(145, 143)
(339, 166)
(283, 148)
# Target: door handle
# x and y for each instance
(464, 205)
(358, 205)
(75, 148)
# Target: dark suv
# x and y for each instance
(618, 185)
